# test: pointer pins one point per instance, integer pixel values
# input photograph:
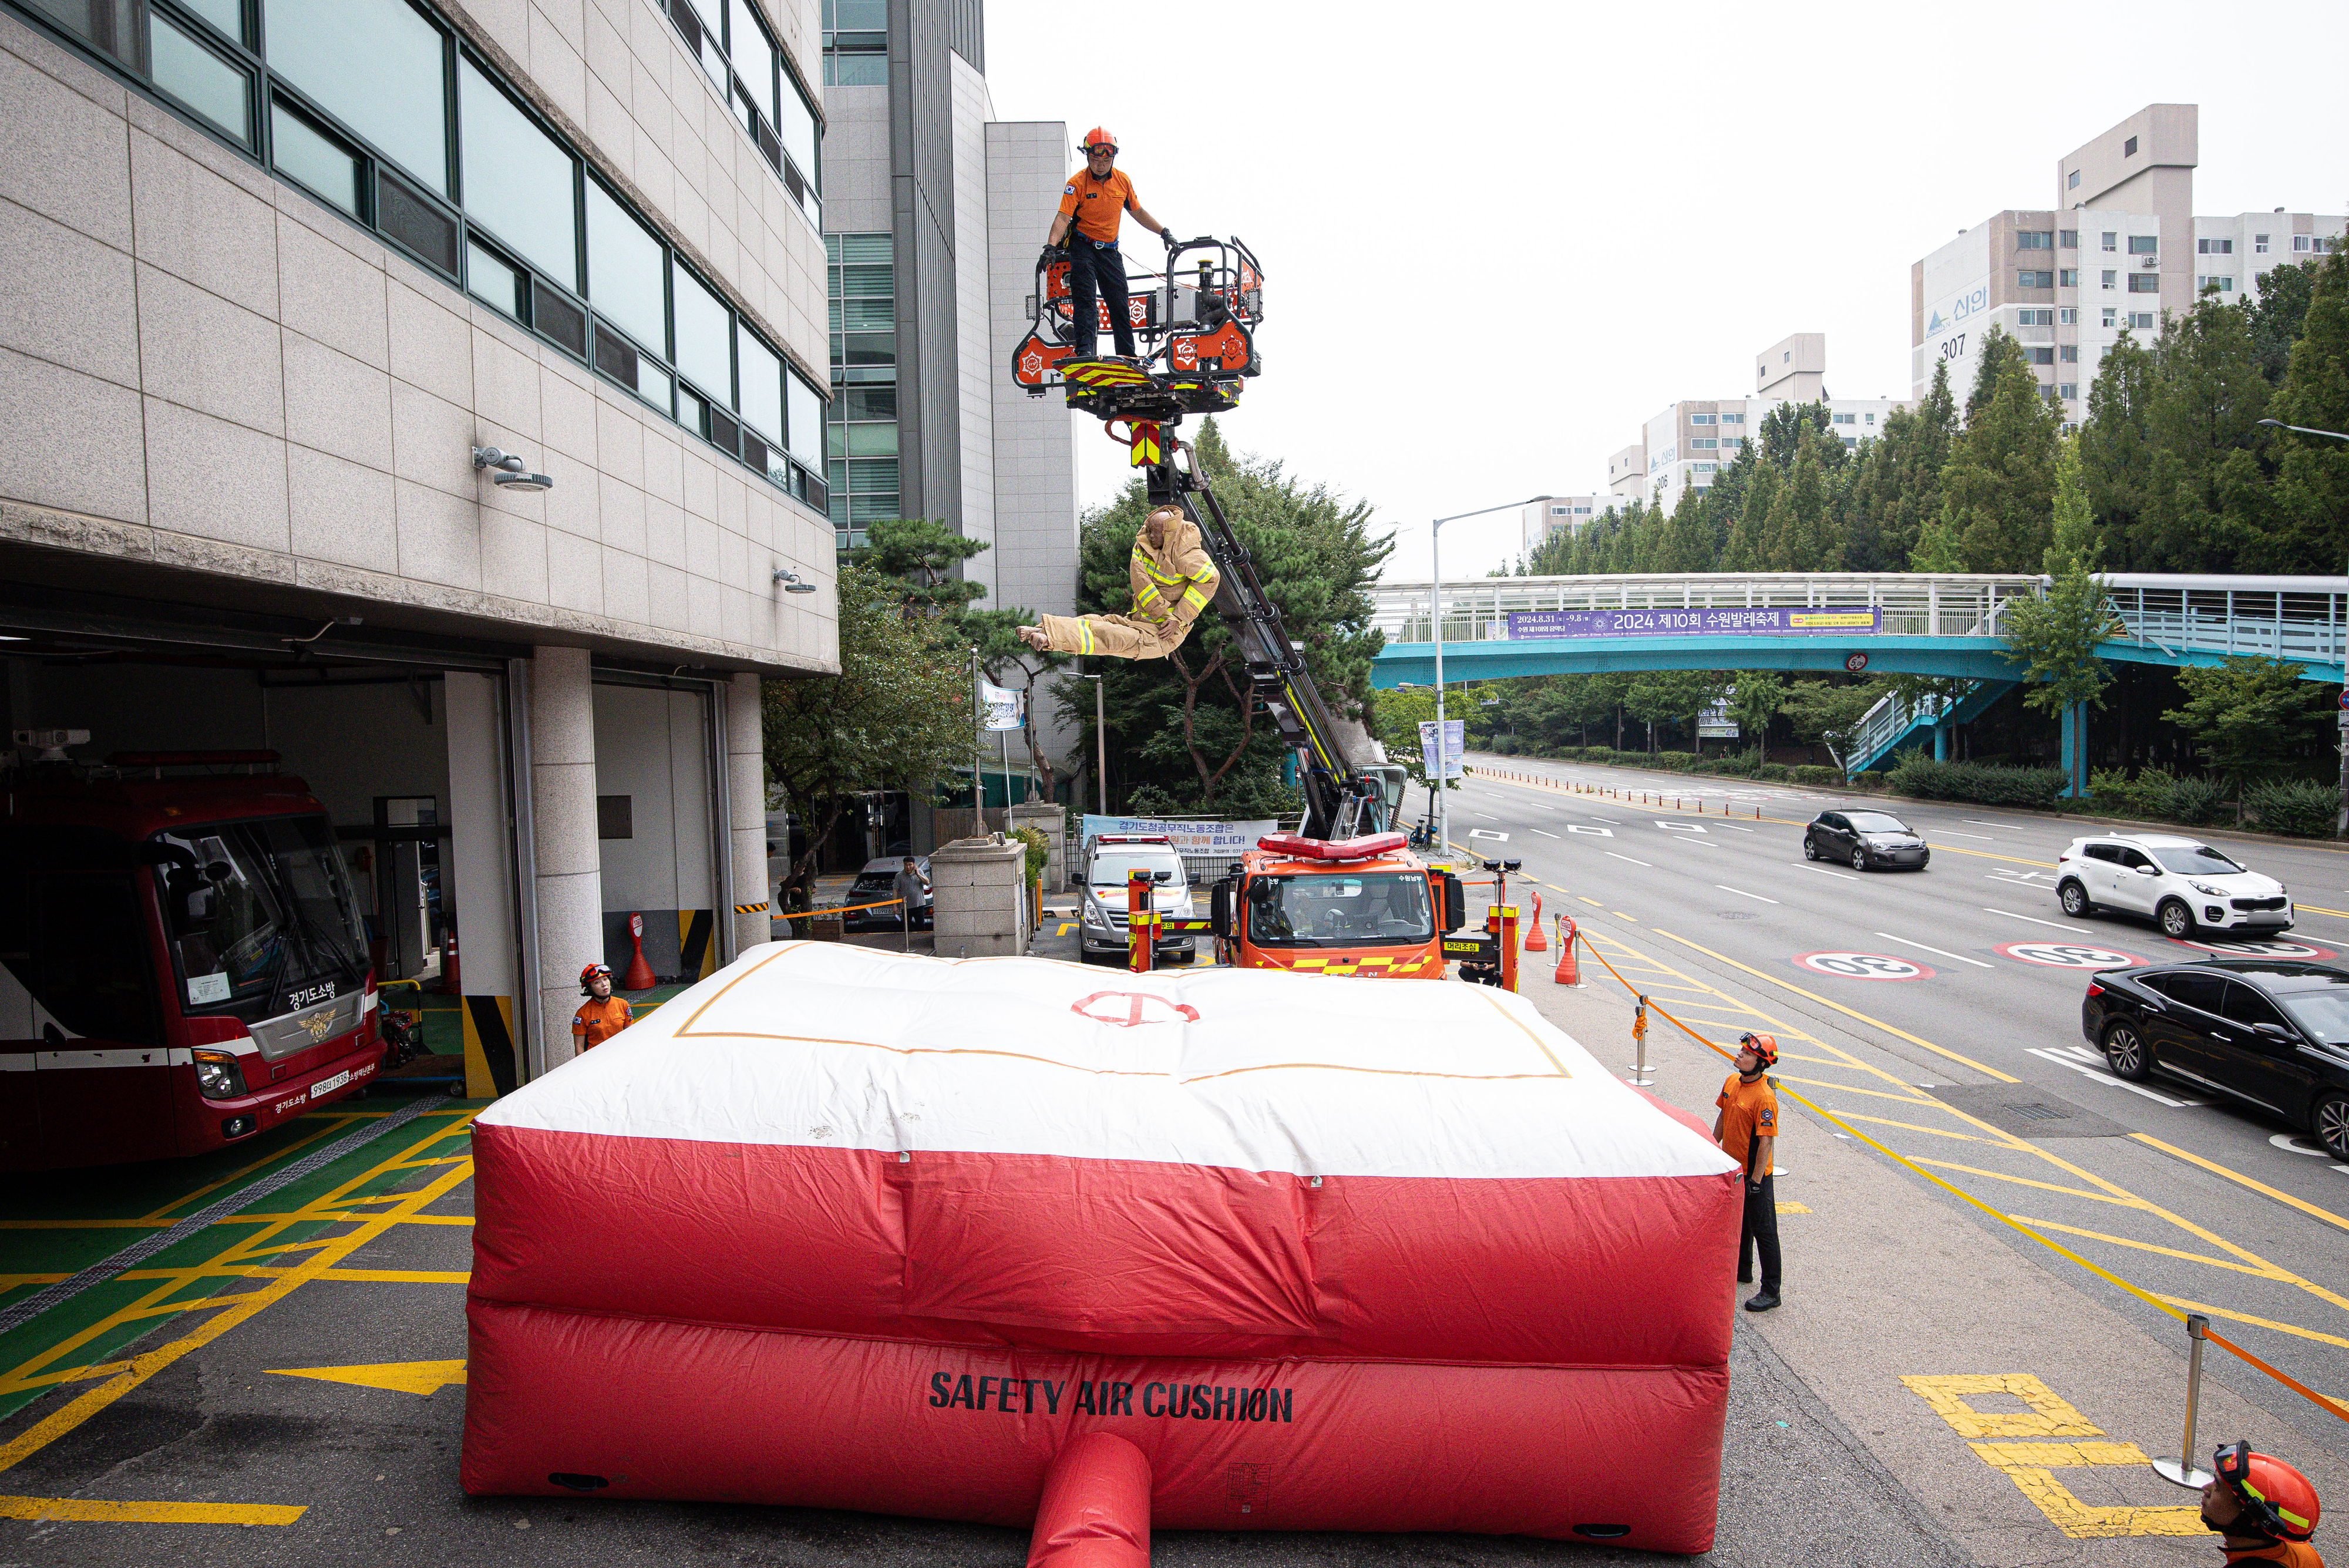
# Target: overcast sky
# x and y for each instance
(1491, 252)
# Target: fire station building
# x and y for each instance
(432, 395)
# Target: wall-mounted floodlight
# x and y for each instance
(792, 583)
(510, 471)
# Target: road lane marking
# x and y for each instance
(425, 1377)
(2084, 1070)
(1616, 821)
(1590, 832)
(1486, 815)
(92, 1510)
(2034, 919)
(1488, 833)
(1543, 834)
(1612, 856)
(1839, 876)
(1592, 902)
(1732, 825)
(1958, 1057)
(2146, 1247)
(2261, 1188)
(1978, 822)
(1952, 833)
(1961, 958)
(1744, 894)
(2258, 1321)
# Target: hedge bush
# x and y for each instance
(1809, 773)
(2301, 808)
(1991, 785)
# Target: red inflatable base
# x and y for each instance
(561, 1402)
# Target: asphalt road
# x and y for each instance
(1974, 1051)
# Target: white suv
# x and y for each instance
(2184, 884)
(1110, 859)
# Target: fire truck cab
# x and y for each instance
(183, 962)
(1365, 907)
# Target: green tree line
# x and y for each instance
(2175, 469)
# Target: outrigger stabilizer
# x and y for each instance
(1197, 324)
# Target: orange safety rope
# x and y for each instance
(2007, 1219)
(847, 910)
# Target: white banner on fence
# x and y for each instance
(1191, 837)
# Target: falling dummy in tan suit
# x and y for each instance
(1173, 580)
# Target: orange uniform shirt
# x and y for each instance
(596, 1022)
(1097, 205)
(1748, 1111)
(2291, 1553)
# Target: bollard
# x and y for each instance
(1567, 973)
(1141, 938)
(2182, 1470)
(1638, 1077)
(1508, 947)
(1535, 942)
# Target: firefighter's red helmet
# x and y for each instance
(1099, 136)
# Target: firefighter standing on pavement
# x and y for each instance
(2263, 1510)
(1094, 202)
(602, 1016)
(1173, 580)
(1747, 1130)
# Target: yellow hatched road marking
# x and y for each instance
(2263, 1322)
(2026, 1181)
(425, 1377)
(2146, 1247)
(2258, 1187)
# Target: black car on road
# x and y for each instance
(876, 882)
(2272, 1034)
(1865, 840)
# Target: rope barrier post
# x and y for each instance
(2182, 1470)
(1141, 951)
(905, 922)
(1638, 1077)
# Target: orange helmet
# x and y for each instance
(1099, 136)
(587, 976)
(1763, 1046)
(2276, 1499)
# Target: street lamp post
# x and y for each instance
(2341, 814)
(1436, 561)
(1100, 744)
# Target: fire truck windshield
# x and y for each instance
(260, 915)
(1369, 908)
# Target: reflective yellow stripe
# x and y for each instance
(1148, 596)
(1084, 637)
(1196, 597)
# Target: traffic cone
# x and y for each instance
(1568, 974)
(1535, 942)
(640, 974)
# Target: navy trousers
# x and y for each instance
(1760, 1233)
(1094, 266)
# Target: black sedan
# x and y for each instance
(1865, 840)
(2272, 1034)
(876, 882)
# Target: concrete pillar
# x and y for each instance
(746, 808)
(570, 878)
(1941, 743)
(1053, 822)
(476, 878)
(979, 903)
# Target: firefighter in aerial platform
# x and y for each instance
(1173, 580)
(1093, 204)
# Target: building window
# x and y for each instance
(2300, 242)
(2259, 244)
(2041, 353)
(861, 440)
(1871, 418)
(2222, 283)
(2110, 317)
(1844, 418)
(2128, 147)
(2111, 278)
(2036, 240)
(2034, 319)
(2145, 282)
(2144, 244)
(378, 67)
(2034, 280)
(855, 43)
(2069, 354)
(1705, 443)
(2142, 320)
(1731, 442)
(187, 68)
(2214, 247)
(1732, 418)
(2067, 316)
(1701, 419)
(1702, 467)
(2112, 241)
(1851, 441)
(2071, 181)
(312, 159)
(2067, 277)
(2069, 239)
(2069, 391)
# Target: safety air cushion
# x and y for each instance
(857, 1230)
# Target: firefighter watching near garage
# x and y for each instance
(1747, 1130)
(1093, 204)
(602, 1016)
(2263, 1510)
(1172, 580)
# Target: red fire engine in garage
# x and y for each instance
(183, 964)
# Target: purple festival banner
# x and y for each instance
(1772, 621)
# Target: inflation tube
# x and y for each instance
(1096, 1507)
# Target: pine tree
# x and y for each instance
(1898, 490)
(1748, 545)
(2312, 475)
(2116, 455)
(2000, 483)
(1687, 543)
(2206, 502)
(1801, 535)
(2280, 315)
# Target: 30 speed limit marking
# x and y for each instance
(2269, 948)
(2067, 955)
(1862, 966)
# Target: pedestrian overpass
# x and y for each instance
(1911, 623)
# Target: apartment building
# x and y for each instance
(2120, 246)
(935, 211)
(431, 397)
(1546, 515)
